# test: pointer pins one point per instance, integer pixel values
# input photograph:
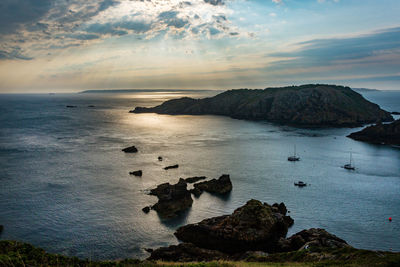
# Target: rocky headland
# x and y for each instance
(314, 105)
(379, 134)
(255, 230)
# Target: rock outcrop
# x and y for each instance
(315, 105)
(131, 149)
(379, 134)
(171, 167)
(172, 199)
(136, 173)
(186, 252)
(254, 226)
(221, 186)
(194, 179)
(313, 237)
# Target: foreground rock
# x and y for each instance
(221, 186)
(307, 105)
(172, 199)
(194, 179)
(379, 134)
(310, 238)
(186, 252)
(255, 226)
(131, 149)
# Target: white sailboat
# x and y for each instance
(294, 157)
(350, 165)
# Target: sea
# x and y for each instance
(65, 183)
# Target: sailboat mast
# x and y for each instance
(295, 150)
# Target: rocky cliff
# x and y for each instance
(380, 134)
(307, 105)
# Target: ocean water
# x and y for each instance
(65, 184)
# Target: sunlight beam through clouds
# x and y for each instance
(75, 44)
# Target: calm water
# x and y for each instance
(65, 184)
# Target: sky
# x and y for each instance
(75, 45)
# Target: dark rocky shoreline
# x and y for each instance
(253, 230)
(379, 134)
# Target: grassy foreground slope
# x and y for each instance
(13, 253)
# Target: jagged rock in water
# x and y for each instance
(196, 192)
(146, 209)
(136, 173)
(131, 149)
(186, 252)
(254, 226)
(194, 179)
(221, 186)
(316, 105)
(171, 167)
(172, 199)
(379, 134)
(314, 237)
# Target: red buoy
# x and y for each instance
(390, 219)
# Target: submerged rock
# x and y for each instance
(136, 173)
(160, 158)
(71, 106)
(172, 199)
(379, 134)
(194, 179)
(171, 167)
(186, 252)
(313, 237)
(221, 186)
(131, 149)
(254, 226)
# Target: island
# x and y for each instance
(379, 134)
(311, 105)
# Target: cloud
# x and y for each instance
(323, 52)
(36, 26)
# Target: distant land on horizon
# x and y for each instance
(361, 90)
(107, 91)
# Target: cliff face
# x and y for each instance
(306, 105)
(380, 134)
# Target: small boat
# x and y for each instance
(350, 165)
(300, 184)
(294, 157)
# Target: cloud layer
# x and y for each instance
(28, 27)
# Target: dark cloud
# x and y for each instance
(214, 2)
(323, 52)
(170, 19)
(16, 53)
(16, 13)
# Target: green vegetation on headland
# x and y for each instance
(16, 254)
(316, 105)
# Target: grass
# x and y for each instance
(16, 254)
